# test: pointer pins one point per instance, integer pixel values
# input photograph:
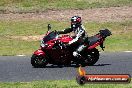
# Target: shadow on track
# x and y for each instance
(72, 65)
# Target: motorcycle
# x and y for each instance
(54, 49)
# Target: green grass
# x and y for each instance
(59, 84)
(38, 27)
(42, 5)
(17, 47)
(121, 40)
(28, 27)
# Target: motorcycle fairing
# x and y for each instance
(93, 39)
(39, 52)
(65, 38)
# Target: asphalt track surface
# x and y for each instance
(16, 69)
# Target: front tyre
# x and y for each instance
(38, 61)
(91, 57)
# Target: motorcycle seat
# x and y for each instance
(93, 39)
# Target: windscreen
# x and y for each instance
(49, 37)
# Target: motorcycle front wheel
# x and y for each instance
(38, 61)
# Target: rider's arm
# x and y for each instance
(65, 31)
(79, 34)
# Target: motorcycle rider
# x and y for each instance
(78, 29)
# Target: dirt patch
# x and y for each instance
(32, 38)
(112, 14)
(27, 38)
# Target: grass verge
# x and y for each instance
(11, 47)
(121, 40)
(60, 84)
(42, 5)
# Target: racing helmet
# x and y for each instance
(75, 21)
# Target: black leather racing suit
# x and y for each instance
(79, 34)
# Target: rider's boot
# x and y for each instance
(77, 52)
(77, 55)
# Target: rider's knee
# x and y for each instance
(75, 54)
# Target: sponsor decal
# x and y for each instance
(83, 78)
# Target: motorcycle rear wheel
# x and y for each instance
(38, 61)
(90, 57)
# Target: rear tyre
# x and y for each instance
(90, 57)
(38, 61)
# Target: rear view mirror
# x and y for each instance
(49, 27)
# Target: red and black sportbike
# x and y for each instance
(54, 50)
